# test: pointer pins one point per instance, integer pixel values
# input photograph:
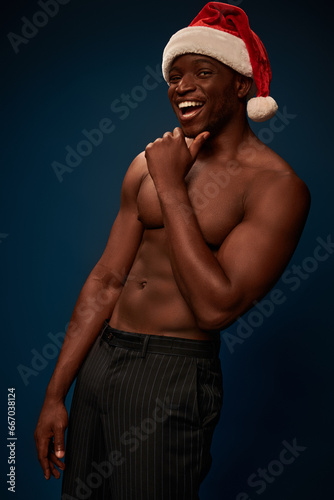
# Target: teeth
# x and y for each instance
(187, 104)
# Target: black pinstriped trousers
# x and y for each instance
(142, 418)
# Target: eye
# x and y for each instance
(174, 78)
(205, 72)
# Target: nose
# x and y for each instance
(186, 84)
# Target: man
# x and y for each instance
(209, 218)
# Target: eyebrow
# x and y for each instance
(195, 61)
(204, 60)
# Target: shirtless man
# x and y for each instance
(209, 218)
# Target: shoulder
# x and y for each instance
(133, 178)
(137, 168)
(276, 191)
(279, 185)
(272, 174)
(135, 173)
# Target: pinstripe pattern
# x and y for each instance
(141, 426)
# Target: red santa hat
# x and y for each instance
(222, 31)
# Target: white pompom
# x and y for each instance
(260, 109)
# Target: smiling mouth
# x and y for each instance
(189, 109)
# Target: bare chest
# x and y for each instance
(216, 198)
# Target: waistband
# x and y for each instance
(158, 344)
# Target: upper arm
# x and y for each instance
(255, 253)
(126, 232)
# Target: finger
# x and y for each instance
(42, 450)
(59, 442)
(197, 143)
(55, 472)
(167, 134)
(46, 469)
(148, 148)
(178, 132)
(56, 461)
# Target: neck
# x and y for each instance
(226, 143)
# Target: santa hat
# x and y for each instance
(222, 31)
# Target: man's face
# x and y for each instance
(203, 93)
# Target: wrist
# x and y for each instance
(172, 190)
(55, 394)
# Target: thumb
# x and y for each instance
(198, 143)
(59, 442)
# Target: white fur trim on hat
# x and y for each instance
(226, 48)
(261, 108)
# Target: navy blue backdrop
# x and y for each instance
(66, 68)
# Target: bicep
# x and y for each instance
(257, 250)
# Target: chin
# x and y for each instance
(191, 132)
(189, 135)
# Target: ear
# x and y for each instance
(244, 84)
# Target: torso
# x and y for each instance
(150, 301)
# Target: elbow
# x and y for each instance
(213, 320)
(209, 326)
(219, 309)
(216, 318)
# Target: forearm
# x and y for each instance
(95, 303)
(199, 276)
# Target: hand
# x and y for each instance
(169, 159)
(50, 438)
